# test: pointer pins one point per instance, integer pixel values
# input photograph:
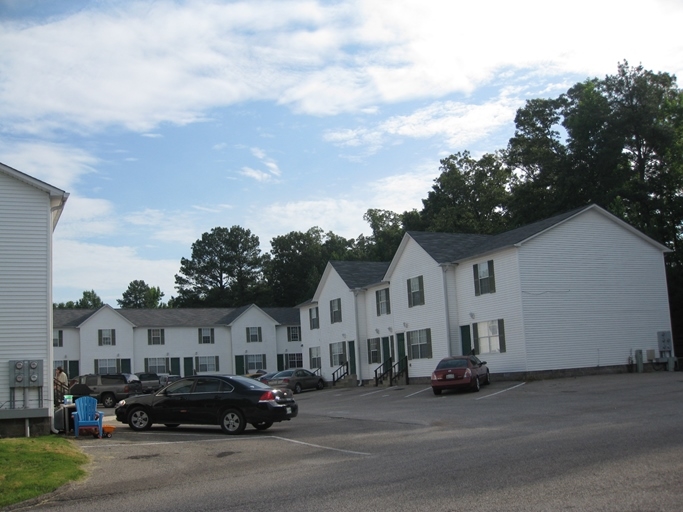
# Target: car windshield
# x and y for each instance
(452, 363)
(286, 373)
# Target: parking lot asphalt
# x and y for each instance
(612, 442)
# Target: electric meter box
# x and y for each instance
(26, 373)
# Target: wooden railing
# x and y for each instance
(340, 373)
(392, 371)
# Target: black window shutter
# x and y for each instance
(477, 291)
(377, 300)
(196, 364)
(501, 334)
(162, 336)
(96, 366)
(409, 339)
(259, 334)
(199, 336)
(99, 339)
(410, 295)
(212, 339)
(248, 335)
(339, 309)
(61, 338)
(369, 351)
(146, 364)
(264, 362)
(429, 344)
(149, 336)
(421, 284)
(492, 278)
(331, 359)
(475, 333)
(217, 368)
(113, 336)
(388, 301)
(331, 311)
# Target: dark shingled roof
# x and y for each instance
(359, 274)
(175, 317)
(450, 247)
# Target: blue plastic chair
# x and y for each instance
(87, 415)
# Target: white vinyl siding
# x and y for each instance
(592, 293)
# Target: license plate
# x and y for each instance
(450, 376)
(289, 410)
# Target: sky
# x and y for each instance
(166, 119)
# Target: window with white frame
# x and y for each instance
(294, 333)
(256, 362)
(335, 311)
(313, 318)
(420, 344)
(106, 337)
(382, 300)
(489, 337)
(294, 360)
(254, 335)
(373, 350)
(106, 366)
(416, 295)
(207, 364)
(57, 338)
(337, 353)
(484, 278)
(155, 337)
(314, 357)
(205, 336)
(156, 365)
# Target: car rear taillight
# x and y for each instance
(285, 380)
(267, 396)
(125, 389)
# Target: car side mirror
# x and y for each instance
(482, 363)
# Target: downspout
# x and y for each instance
(445, 268)
(359, 376)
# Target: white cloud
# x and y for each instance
(59, 165)
(146, 64)
(256, 174)
(107, 269)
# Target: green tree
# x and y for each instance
(140, 295)
(225, 270)
(90, 300)
(469, 196)
(295, 266)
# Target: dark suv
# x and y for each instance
(108, 389)
(150, 381)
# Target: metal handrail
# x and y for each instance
(382, 371)
(399, 368)
(340, 373)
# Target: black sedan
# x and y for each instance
(227, 400)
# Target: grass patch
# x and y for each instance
(30, 467)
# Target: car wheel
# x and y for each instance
(139, 420)
(171, 425)
(477, 385)
(488, 378)
(262, 425)
(297, 388)
(108, 400)
(436, 391)
(320, 385)
(232, 422)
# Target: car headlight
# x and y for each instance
(121, 403)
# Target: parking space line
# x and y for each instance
(321, 447)
(240, 438)
(501, 391)
(381, 390)
(418, 392)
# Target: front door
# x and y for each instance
(175, 366)
(188, 367)
(466, 339)
(401, 343)
(352, 358)
(386, 350)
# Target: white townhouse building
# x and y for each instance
(29, 212)
(177, 341)
(579, 292)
